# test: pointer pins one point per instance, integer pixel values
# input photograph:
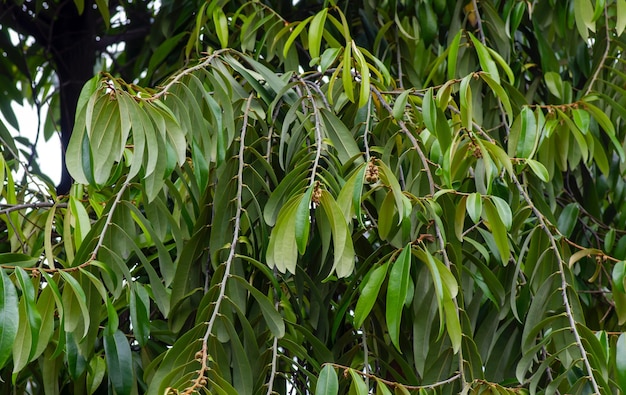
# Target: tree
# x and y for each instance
(414, 197)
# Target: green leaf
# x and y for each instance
(486, 62)
(568, 219)
(272, 317)
(369, 293)
(72, 294)
(295, 32)
(583, 13)
(453, 55)
(140, 313)
(504, 211)
(8, 314)
(316, 30)
(474, 206)
(466, 103)
(399, 106)
(539, 169)
(343, 263)
(529, 135)
(500, 94)
(28, 297)
(498, 230)
(119, 361)
(341, 138)
(327, 382)
(221, 26)
(95, 374)
(282, 250)
(620, 361)
(620, 25)
(381, 388)
(346, 75)
(397, 289)
(358, 384)
(303, 221)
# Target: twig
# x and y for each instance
(7, 208)
(203, 355)
(431, 183)
(396, 384)
(270, 383)
(604, 57)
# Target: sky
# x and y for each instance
(49, 152)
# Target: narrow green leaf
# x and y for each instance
(620, 361)
(369, 293)
(327, 382)
(8, 315)
(399, 107)
(358, 384)
(316, 30)
(343, 263)
(341, 138)
(74, 292)
(295, 32)
(140, 313)
(95, 374)
(221, 26)
(529, 135)
(346, 75)
(583, 13)
(272, 317)
(474, 206)
(498, 230)
(539, 169)
(397, 289)
(381, 388)
(486, 62)
(620, 25)
(604, 121)
(500, 94)
(119, 361)
(504, 211)
(466, 103)
(28, 296)
(303, 220)
(282, 250)
(453, 55)
(568, 219)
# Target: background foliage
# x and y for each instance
(401, 196)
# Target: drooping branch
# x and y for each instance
(203, 354)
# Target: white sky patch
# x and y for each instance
(48, 152)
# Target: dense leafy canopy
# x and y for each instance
(406, 196)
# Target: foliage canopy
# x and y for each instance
(411, 197)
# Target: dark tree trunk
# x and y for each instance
(73, 49)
